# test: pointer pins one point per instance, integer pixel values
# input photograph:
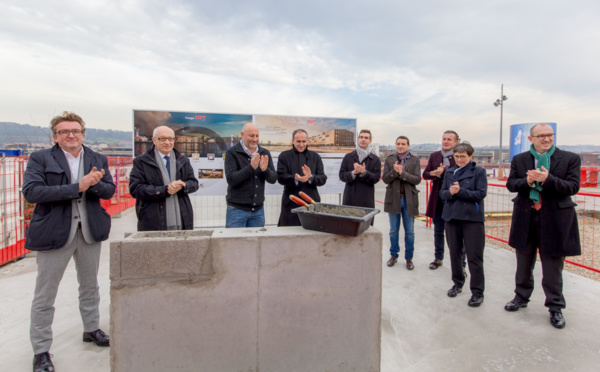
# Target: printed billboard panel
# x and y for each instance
(205, 138)
(519, 141)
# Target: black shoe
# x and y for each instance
(392, 261)
(435, 264)
(98, 337)
(557, 319)
(514, 304)
(42, 363)
(454, 291)
(475, 301)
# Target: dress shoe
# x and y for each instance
(409, 264)
(454, 291)
(392, 261)
(514, 304)
(557, 319)
(435, 264)
(42, 363)
(475, 301)
(98, 337)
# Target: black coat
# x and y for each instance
(246, 185)
(467, 204)
(48, 183)
(559, 227)
(146, 185)
(360, 190)
(289, 163)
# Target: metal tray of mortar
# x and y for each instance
(336, 219)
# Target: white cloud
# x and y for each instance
(400, 67)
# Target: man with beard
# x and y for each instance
(298, 169)
(247, 167)
(360, 170)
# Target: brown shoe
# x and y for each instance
(435, 264)
(392, 261)
(409, 264)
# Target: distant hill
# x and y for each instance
(30, 134)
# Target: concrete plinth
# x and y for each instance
(269, 299)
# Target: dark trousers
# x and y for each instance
(552, 268)
(438, 230)
(471, 235)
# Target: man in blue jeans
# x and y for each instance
(402, 173)
(247, 167)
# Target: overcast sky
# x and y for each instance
(399, 67)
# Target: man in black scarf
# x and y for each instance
(298, 169)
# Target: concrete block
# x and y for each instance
(274, 299)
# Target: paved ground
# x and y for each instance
(422, 328)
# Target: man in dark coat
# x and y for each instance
(436, 167)
(298, 169)
(543, 218)
(160, 181)
(247, 167)
(66, 182)
(360, 170)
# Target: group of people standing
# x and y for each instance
(67, 182)
(543, 219)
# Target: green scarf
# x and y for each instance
(543, 160)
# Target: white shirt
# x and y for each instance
(74, 164)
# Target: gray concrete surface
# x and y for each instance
(257, 299)
(422, 328)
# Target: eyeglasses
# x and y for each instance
(66, 132)
(543, 136)
(165, 139)
(461, 156)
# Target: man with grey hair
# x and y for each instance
(66, 182)
(160, 181)
(544, 218)
(247, 167)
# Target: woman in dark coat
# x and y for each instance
(463, 191)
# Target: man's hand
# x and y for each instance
(90, 179)
(398, 168)
(255, 161)
(454, 189)
(307, 175)
(175, 187)
(537, 175)
(438, 171)
(264, 162)
(359, 168)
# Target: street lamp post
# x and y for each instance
(500, 102)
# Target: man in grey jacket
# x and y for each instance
(401, 173)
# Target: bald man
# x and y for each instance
(160, 181)
(247, 167)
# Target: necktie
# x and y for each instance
(537, 206)
(168, 159)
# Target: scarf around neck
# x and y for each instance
(543, 160)
(362, 154)
(446, 155)
(402, 158)
(172, 202)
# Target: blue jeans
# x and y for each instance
(241, 218)
(409, 231)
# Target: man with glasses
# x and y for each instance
(544, 218)
(160, 181)
(66, 182)
(247, 167)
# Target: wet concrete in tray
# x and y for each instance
(339, 210)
